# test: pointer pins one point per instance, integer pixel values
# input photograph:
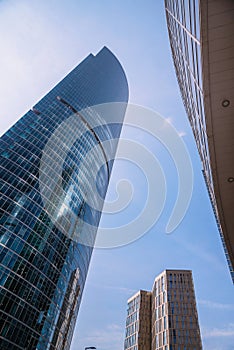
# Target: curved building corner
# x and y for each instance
(43, 268)
(201, 39)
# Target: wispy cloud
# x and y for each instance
(182, 133)
(202, 253)
(214, 305)
(228, 331)
(120, 289)
(167, 122)
(110, 337)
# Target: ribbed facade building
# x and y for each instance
(201, 39)
(48, 161)
(166, 318)
(138, 323)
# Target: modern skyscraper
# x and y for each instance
(201, 38)
(49, 161)
(138, 323)
(166, 318)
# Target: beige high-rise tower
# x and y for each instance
(166, 318)
(138, 323)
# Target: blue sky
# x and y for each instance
(43, 40)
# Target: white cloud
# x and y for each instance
(111, 337)
(182, 133)
(168, 120)
(202, 253)
(214, 305)
(124, 290)
(228, 331)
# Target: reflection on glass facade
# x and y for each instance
(183, 22)
(43, 269)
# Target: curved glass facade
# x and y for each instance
(184, 29)
(184, 34)
(43, 268)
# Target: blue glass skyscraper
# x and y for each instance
(44, 261)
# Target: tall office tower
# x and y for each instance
(138, 324)
(172, 321)
(201, 38)
(48, 213)
(174, 313)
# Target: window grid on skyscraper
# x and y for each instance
(183, 21)
(167, 315)
(43, 265)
